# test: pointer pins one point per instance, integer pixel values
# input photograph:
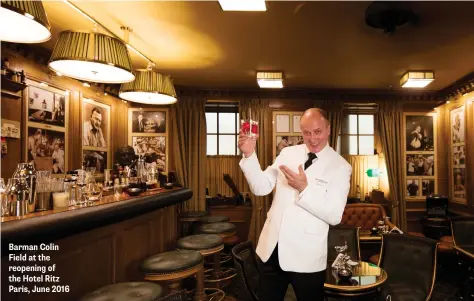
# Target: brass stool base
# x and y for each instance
(214, 294)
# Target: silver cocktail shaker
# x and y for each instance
(18, 195)
(27, 170)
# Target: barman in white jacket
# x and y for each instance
(312, 182)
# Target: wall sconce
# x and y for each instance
(416, 79)
(270, 79)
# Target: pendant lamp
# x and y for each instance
(149, 87)
(92, 57)
(24, 22)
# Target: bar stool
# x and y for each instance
(213, 219)
(209, 245)
(226, 231)
(187, 219)
(174, 266)
(130, 291)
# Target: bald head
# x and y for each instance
(315, 127)
(315, 113)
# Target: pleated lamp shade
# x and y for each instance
(24, 22)
(149, 87)
(92, 57)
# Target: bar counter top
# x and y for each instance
(59, 223)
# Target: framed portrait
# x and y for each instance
(154, 146)
(428, 187)
(459, 183)
(457, 126)
(420, 165)
(413, 187)
(97, 159)
(149, 122)
(419, 133)
(46, 105)
(282, 123)
(459, 156)
(46, 149)
(284, 141)
(95, 125)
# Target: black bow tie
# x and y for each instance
(311, 157)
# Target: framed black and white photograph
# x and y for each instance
(284, 141)
(457, 126)
(428, 187)
(46, 106)
(95, 159)
(459, 156)
(413, 187)
(420, 165)
(150, 122)
(419, 133)
(152, 146)
(459, 183)
(46, 149)
(96, 125)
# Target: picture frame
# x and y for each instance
(286, 130)
(419, 133)
(96, 134)
(46, 148)
(282, 122)
(46, 141)
(419, 151)
(457, 149)
(148, 121)
(46, 105)
(152, 136)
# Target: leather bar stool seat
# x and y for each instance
(223, 229)
(210, 246)
(173, 267)
(231, 240)
(194, 215)
(126, 291)
(214, 219)
(188, 221)
(171, 262)
(201, 242)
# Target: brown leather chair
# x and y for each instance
(364, 216)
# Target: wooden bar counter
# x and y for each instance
(90, 246)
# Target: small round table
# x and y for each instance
(365, 282)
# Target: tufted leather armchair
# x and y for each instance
(410, 262)
(340, 234)
(364, 216)
(247, 278)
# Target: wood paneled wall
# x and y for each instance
(103, 256)
(12, 109)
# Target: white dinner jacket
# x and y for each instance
(299, 222)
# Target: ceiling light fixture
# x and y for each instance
(272, 80)
(416, 79)
(243, 5)
(149, 87)
(24, 22)
(92, 57)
